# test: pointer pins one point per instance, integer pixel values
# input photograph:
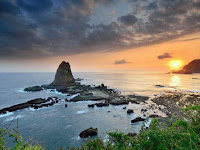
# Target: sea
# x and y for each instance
(58, 125)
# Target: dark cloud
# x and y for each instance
(36, 6)
(191, 39)
(164, 56)
(35, 28)
(119, 62)
(128, 20)
(152, 6)
(7, 7)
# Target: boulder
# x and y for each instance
(101, 104)
(88, 132)
(130, 111)
(138, 119)
(63, 75)
(91, 105)
(143, 110)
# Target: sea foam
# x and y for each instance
(80, 112)
(7, 114)
(13, 118)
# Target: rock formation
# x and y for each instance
(192, 67)
(33, 89)
(63, 75)
(138, 119)
(89, 132)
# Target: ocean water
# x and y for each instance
(57, 126)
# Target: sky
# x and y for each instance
(98, 35)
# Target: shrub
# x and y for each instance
(181, 134)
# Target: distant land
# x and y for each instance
(192, 67)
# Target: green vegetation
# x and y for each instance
(6, 135)
(177, 135)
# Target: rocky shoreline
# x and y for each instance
(169, 105)
(82, 93)
(173, 103)
(162, 106)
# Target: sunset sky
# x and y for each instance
(98, 35)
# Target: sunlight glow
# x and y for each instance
(175, 81)
(175, 64)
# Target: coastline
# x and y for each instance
(103, 95)
(164, 105)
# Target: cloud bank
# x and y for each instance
(35, 28)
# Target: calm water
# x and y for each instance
(59, 126)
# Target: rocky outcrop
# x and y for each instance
(33, 89)
(63, 75)
(119, 102)
(35, 103)
(89, 132)
(102, 104)
(138, 119)
(192, 67)
(130, 111)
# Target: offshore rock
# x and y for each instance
(138, 119)
(89, 132)
(130, 111)
(33, 89)
(63, 75)
(35, 103)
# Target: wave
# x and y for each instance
(21, 91)
(80, 112)
(14, 118)
(7, 114)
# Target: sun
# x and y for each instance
(175, 64)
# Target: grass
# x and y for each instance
(178, 135)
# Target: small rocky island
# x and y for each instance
(192, 67)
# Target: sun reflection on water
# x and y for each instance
(175, 81)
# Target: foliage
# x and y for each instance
(19, 144)
(181, 134)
